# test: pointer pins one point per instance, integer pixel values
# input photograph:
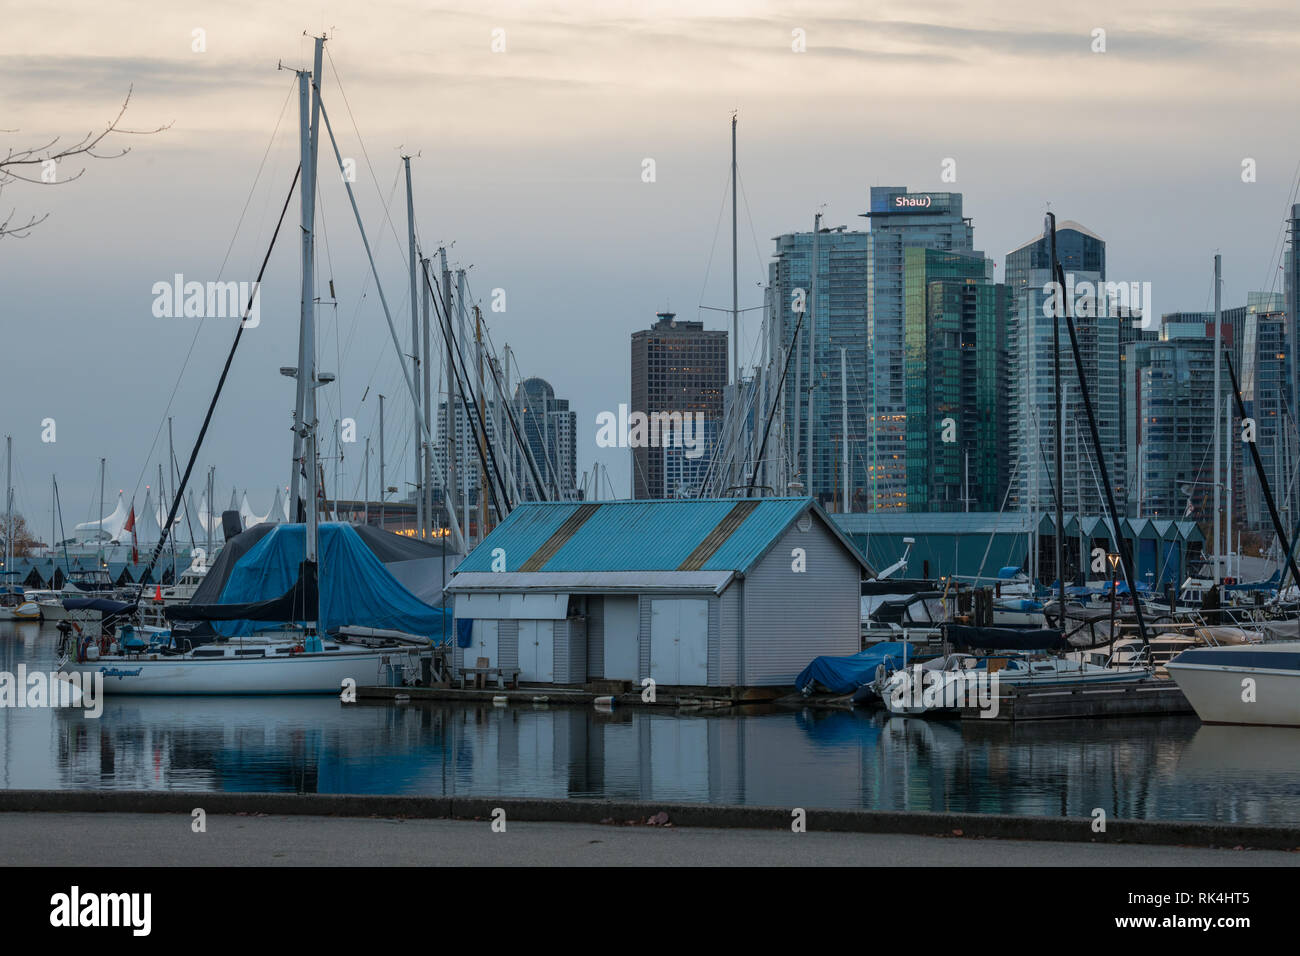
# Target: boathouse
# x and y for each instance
(737, 592)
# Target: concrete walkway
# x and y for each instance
(165, 839)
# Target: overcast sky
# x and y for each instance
(530, 161)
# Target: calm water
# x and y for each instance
(1168, 768)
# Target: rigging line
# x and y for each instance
(499, 388)
(474, 417)
(369, 165)
(1276, 254)
(713, 247)
(997, 521)
(364, 290)
(212, 406)
(553, 466)
(220, 272)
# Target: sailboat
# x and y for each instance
(14, 602)
(299, 641)
(1252, 683)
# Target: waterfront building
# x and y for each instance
(1032, 430)
(702, 592)
(978, 544)
(899, 220)
(1262, 373)
(834, 301)
(549, 430)
(1177, 416)
(955, 335)
(677, 366)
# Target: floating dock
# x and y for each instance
(1144, 699)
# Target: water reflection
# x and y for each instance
(1164, 768)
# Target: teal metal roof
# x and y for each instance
(660, 535)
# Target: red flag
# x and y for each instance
(130, 526)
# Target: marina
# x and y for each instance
(1138, 768)
(395, 440)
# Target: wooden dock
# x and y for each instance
(1064, 701)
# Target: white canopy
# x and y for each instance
(111, 524)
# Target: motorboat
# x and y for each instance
(1255, 684)
(16, 605)
(987, 659)
(186, 585)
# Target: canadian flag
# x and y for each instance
(130, 526)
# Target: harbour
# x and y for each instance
(410, 461)
(1166, 768)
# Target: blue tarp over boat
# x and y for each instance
(103, 605)
(842, 675)
(355, 587)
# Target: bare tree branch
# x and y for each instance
(50, 152)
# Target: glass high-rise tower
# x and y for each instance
(955, 337)
(899, 220)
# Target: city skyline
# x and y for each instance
(613, 249)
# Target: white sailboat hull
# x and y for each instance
(1214, 681)
(297, 674)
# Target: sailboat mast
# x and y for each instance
(309, 127)
(9, 505)
(450, 336)
(1058, 427)
(735, 287)
(812, 352)
(100, 539)
(383, 487)
(1218, 337)
(415, 350)
(426, 477)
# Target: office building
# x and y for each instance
(955, 337)
(1032, 430)
(833, 317)
(899, 220)
(677, 367)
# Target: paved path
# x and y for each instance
(157, 839)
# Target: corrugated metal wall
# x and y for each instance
(791, 617)
(508, 643)
(728, 636)
(595, 637)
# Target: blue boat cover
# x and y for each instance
(97, 604)
(355, 587)
(842, 675)
(1004, 638)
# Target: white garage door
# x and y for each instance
(679, 642)
(483, 643)
(622, 650)
(537, 652)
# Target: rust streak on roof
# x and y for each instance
(718, 536)
(557, 540)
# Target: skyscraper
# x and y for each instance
(834, 314)
(676, 367)
(956, 381)
(549, 430)
(1032, 430)
(1178, 417)
(899, 220)
(1262, 375)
